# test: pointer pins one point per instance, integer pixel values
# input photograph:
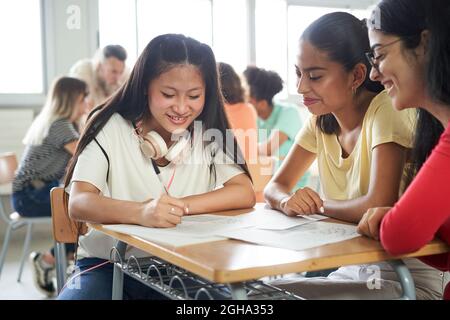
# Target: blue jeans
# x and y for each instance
(97, 284)
(31, 202)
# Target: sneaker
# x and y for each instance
(43, 276)
(71, 268)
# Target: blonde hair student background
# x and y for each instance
(360, 144)
(173, 89)
(50, 142)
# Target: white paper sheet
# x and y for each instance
(268, 219)
(191, 230)
(207, 227)
(298, 238)
(161, 236)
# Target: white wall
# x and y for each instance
(68, 35)
(14, 124)
(71, 28)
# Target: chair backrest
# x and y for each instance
(64, 228)
(8, 166)
(261, 173)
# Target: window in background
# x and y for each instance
(21, 56)
(299, 18)
(221, 24)
(230, 36)
(271, 45)
(117, 25)
(191, 18)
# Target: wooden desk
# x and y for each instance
(233, 261)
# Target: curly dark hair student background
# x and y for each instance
(264, 84)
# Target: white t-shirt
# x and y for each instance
(132, 177)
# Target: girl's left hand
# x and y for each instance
(369, 225)
(304, 201)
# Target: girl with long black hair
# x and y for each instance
(156, 151)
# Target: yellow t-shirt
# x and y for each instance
(349, 178)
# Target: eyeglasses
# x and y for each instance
(371, 54)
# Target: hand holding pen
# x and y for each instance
(158, 174)
(163, 212)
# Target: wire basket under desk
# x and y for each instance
(178, 284)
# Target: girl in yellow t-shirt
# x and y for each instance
(360, 144)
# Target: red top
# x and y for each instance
(423, 212)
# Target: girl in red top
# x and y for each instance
(410, 56)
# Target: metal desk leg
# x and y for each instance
(61, 265)
(406, 280)
(238, 291)
(117, 285)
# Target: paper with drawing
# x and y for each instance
(298, 238)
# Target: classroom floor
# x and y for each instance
(10, 289)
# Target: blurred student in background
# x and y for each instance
(241, 115)
(278, 123)
(50, 143)
(104, 73)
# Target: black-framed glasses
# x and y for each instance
(373, 60)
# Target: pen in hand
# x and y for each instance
(158, 174)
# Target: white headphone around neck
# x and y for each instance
(153, 146)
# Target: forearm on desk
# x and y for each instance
(274, 193)
(352, 210)
(293, 168)
(90, 207)
(231, 196)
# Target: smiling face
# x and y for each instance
(176, 99)
(401, 72)
(325, 85)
